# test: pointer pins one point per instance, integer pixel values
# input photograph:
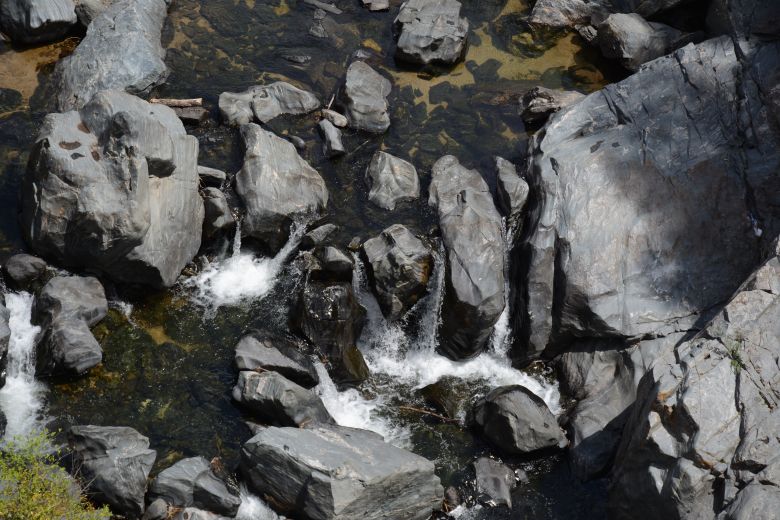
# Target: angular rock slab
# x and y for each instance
(539, 103)
(114, 462)
(391, 180)
(265, 102)
(121, 51)
(276, 353)
(191, 482)
(339, 473)
(473, 235)
(432, 32)
(21, 271)
(495, 482)
(399, 267)
(365, 95)
(632, 41)
(36, 21)
(277, 186)
(114, 188)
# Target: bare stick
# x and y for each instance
(426, 412)
(178, 103)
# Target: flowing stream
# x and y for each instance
(22, 397)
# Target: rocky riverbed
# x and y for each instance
(379, 259)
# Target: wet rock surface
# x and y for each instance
(218, 219)
(495, 482)
(512, 192)
(391, 180)
(114, 462)
(22, 271)
(431, 32)
(192, 482)
(540, 103)
(302, 471)
(263, 103)
(36, 21)
(277, 353)
(365, 98)
(474, 241)
(632, 41)
(121, 51)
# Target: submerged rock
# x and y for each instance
(303, 472)
(113, 188)
(278, 400)
(365, 95)
(391, 180)
(517, 421)
(267, 351)
(431, 32)
(540, 103)
(36, 21)
(399, 269)
(114, 463)
(265, 102)
(192, 482)
(632, 41)
(474, 240)
(495, 482)
(277, 186)
(121, 51)
(22, 271)
(66, 308)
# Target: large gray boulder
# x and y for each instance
(632, 41)
(192, 482)
(262, 103)
(431, 32)
(121, 51)
(218, 219)
(277, 187)
(114, 463)
(706, 417)
(36, 21)
(391, 180)
(365, 97)
(475, 247)
(66, 308)
(22, 271)
(399, 267)
(278, 353)
(571, 13)
(629, 182)
(517, 421)
(744, 18)
(339, 473)
(113, 188)
(278, 400)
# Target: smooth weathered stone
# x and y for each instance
(334, 264)
(334, 117)
(218, 219)
(332, 146)
(211, 177)
(191, 482)
(539, 103)
(570, 13)
(474, 240)
(512, 191)
(264, 103)
(399, 269)
(114, 188)
(157, 510)
(36, 21)
(267, 351)
(517, 421)
(88, 10)
(278, 400)
(22, 271)
(365, 96)
(632, 41)
(66, 308)
(495, 482)
(277, 187)
(121, 51)
(432, 32)
(391, 180)
(303, 472)
(317, 236)
(114, 463)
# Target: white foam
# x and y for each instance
(21, 399)
(253, 508)
(242, 277)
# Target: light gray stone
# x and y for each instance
(332, 146)
(391, 180)
(632, 41)
(431, 32)
(365, 96)
(512, 192)
(267, 351)
(263, 103)
(495, 482)
(36, 21)
(22, 271)
(539, 103)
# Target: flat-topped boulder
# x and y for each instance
(113, 188)
(365, 96)
(431, 32)
(339, 473)
(262, 103)
(121, 51)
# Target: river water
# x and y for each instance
(168, 357)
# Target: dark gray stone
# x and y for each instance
(277, 187)
(539, 103)
(317, 236)
(114, 188)
(473, 236)
(36, 21)
(276, 353)
(431, 32)
(570, 13)
(512, 192)
(157, 510)
(365, 96)
(263, 103)
(218, 220)
(211, 177)
(391, 180)
(303, 471)
(495, 482)
(121, 51)
(517, 421)
(399, 268)
(279, 401)
(22, 271)
(114, 463)
(632, 41)
(191, 482)
(88, 10)
(332, 146)
(335, 265)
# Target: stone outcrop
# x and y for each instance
(262, 103)
(431, 32)
(113, 188)
(121, 51)
(391, 180)
(365, 98)
(474, 240)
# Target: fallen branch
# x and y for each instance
(427, 412)
(178, 103)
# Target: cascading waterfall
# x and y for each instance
(253, 508)
(21, 399)
(242, 276)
